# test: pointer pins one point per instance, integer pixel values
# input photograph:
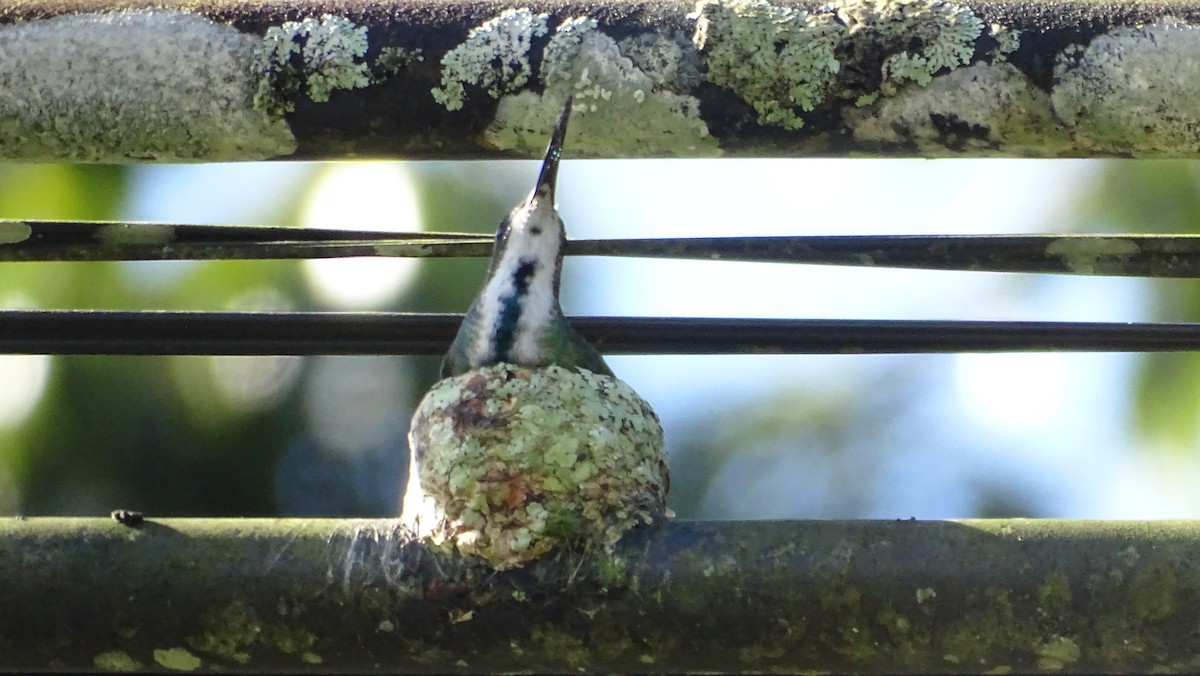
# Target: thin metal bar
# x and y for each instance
(1076, 254)
(1112, 255)
(245, 333)
(34, 241)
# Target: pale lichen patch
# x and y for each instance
(1008, 40)
(669, 61)
(1130, 556)
(233, 631)
(617, 104)
(177, 659)
(14, 232)
(509, 463)
(978, 108)
(313, 57)
(392, 60)
(1088, 255)
(563, 46)
(311, 658)
(229, 633)
(494, 57)
(1058, 652)
(786, 61)
(1114, 97)
(153, 85)
(866, 99)
(944, 33)
(117, 661)
(776, 58)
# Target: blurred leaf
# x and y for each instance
(1157, 197)
(159, 434)
(116, 431)
(862, 446)
(53, 192)
(1141, 196)
(50, 191)
(826, 429)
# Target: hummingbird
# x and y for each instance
(517, 318)
(529, 443)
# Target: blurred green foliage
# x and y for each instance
(156, 433)
(1156, 197)
(839, 449)
(808, 421)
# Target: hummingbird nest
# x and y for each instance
(509, 463)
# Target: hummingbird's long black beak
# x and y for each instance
(549, 175)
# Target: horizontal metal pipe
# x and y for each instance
(128, 81)
(298, 333)
(354, 596)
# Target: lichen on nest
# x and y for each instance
(510, 463)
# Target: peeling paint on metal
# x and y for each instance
(14, 232)
(1085, 256)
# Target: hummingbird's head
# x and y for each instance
(535, 221)
(516, 318)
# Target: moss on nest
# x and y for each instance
(510, 463)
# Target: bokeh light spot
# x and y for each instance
(1007, 391)
(357, 404)
(367, 196)
(255, 383)
(22, 382)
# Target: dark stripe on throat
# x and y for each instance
(510, 309)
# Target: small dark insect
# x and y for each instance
(128, 517)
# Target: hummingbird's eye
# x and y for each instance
(505, 226)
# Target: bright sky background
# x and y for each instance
(1061, 416)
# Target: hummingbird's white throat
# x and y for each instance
(525, 274)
